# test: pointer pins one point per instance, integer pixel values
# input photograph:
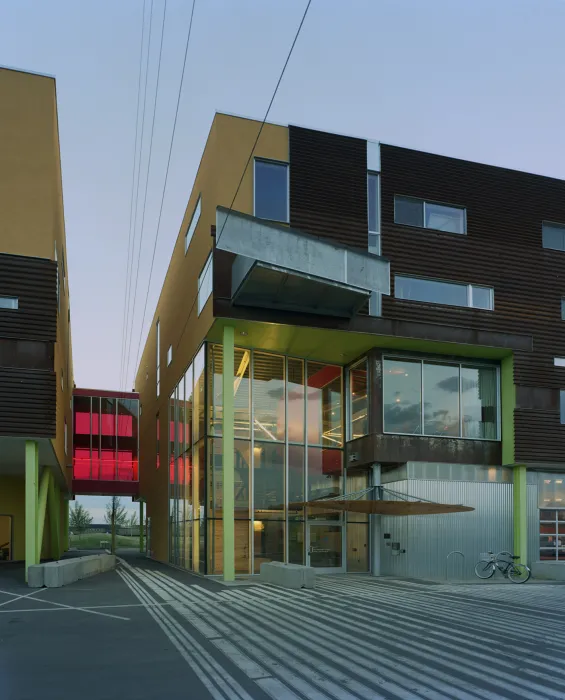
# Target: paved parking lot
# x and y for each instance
(148, 631)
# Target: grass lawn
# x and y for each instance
(91, 540)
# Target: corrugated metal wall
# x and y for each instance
(428, 539)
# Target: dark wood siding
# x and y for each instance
(34, 282)
(502, 249)
(27, 402)
(328, 185)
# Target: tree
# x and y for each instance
(79, 518)
(133, 521)
(116, 516)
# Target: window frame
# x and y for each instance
(437, 203)
(208, 264)
(15, 306)
(461, 364)
(468, 285)
(559, 225)
(190, 229)
(158, 354)
(374, 235)
(272, 161)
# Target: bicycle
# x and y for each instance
(517, 573)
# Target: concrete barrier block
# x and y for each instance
(548, 570)
(35, 577)
(287, 575)
(61, 573)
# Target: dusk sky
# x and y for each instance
(474, 79)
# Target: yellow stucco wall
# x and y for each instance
(31, 206)
(225, 155)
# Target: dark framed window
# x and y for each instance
(270, 190)
(553, 235)
(410, 211)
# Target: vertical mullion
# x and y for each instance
(252, 464)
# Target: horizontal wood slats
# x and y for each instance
(328, 185)
(34, 282)
(27, 402)
(502, 249)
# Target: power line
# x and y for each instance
(166, 178)
(146, 187)
(130, 271)
(132, 190)
(265, 118)
(251, 154)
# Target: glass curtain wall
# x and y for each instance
(288, 416)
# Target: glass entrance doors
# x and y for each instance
(325, 546)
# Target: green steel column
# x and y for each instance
(31, 473)
(508, 404)
(66, 505)
(228, 454)
(42, 507)
(54, 497)
(520, 514)
(141, 527)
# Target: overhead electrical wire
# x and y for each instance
(166, 178)
(134, 229)
(126, 288)
(145, 193)
(252, 152)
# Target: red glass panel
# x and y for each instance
(82, 423)
(125, 426)
(108, 424)
(81, 464)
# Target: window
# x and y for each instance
(66, 438)
(552, 521)
(62, 380)
(563, 308)
(373, 213)
(58, 283)
(439, 217)
(205, 284)
(271, 190)
(158, 450)
(562, 406)
(192, 226)
(359, 399)
(553, 235)
(440, 399)
(158, 334)
(559, 361)
(8, 302)
(439, 292)
(63, 268)
(169, 355)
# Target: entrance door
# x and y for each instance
(325, 547)
(5, 537)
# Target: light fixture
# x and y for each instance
(258, 525)
(243, 332)
(558, 481)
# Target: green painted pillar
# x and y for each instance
(228, 454)
(54, 498)
(508, 404)
(141, 527)
(66, 505)
(42, 507)
(31, 474)
(520, 513)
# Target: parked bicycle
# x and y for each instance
(517, 573)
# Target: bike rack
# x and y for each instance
(455, 551)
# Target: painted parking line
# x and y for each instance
(16, 596)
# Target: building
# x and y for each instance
(36, 369)
(288, 361)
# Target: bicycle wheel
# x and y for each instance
(484, 569)
(519, 573)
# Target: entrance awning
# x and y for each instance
(378, 500)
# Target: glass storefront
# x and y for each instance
(551, 501)
(289, 435)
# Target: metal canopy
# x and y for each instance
(278, 267)
(378, 500)
(256, 283)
